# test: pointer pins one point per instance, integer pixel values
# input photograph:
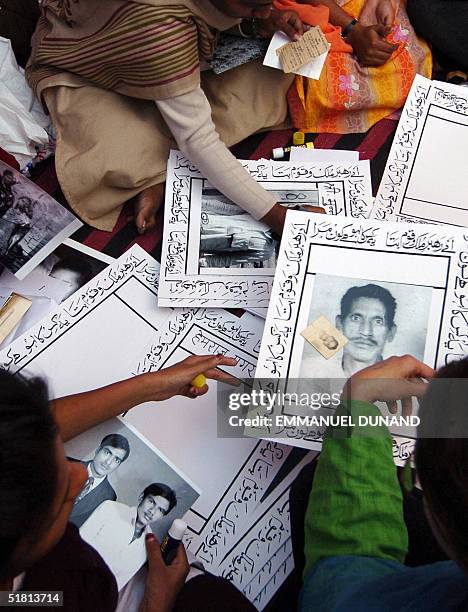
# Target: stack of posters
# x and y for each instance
(173, 443)
(216, 254)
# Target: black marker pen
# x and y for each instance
(171, 542)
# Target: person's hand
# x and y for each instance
(385, 12)
(288, 22)
(369, 44)
(164, 582)
(391, 380)
(176, 380)
(276, 216)
(377, 11)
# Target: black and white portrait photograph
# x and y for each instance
(31, 221)
(231, 238)
(378, 319)
(73, 266)
(131, 490)
(68, 268)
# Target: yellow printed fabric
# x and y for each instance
(351, 98)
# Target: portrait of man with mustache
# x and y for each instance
(367, 319)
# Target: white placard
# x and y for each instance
(112, 329)
(216, 254)
(403, 282)
(425, 179)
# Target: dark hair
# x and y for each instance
(116, 441)
(442, 462)
(370, 291)
(161, 490)
(76, 264)
(28, 465)
(8, 172)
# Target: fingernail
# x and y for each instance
(142, 228)
(150, 537)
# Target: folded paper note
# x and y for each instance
(294, 55)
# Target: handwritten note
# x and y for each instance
(295, 54)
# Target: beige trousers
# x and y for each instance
(110, 147)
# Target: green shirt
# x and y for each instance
(356, 505)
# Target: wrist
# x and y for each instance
(353, 34)
(152, 604)
(275, 218)
(149, 385)
(359, 390)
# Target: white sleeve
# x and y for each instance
(189, 118)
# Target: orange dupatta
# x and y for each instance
(317, 16)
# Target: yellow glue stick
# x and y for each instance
(199, 381)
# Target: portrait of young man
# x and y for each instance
(111, 453)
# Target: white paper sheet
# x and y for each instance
(425, 179)
(320, 259)
(215, 254)
(312, 70)
(320, 156)
(268, 538)
(111, 329)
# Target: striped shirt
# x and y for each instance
(137, 49)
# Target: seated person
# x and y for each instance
(39, 549)
(356, 539)
(118, 107)
(373, 59)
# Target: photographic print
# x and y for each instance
(131, 490)
(68, 268)
(32, 223)
(378, 319)
(214, 254)
(231, 238)
(74, 265)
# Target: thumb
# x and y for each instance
(153, 551)
(313, 209)
(382, 30)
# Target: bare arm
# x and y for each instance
(75, 414)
